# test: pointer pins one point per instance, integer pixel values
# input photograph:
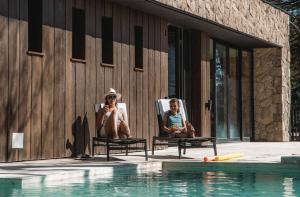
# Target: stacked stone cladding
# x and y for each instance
(253, 17)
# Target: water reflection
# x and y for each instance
(157, 183)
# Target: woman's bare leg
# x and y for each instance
(124, 130)
(181, 135)
(190, 130)
(111, 127)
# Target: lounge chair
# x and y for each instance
(118, 144)
(162, 106)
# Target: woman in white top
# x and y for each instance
(112, 122)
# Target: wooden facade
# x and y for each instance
(50, 97)
(201, 86)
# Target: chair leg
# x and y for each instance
(126, 149)
(107, 151)
(93, 150)
(215, 147)
(184, 148)
(179, 152)
(179, 149)
(153, 145)
(146, 151)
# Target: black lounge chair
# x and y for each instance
(118, 144)
(162, 106)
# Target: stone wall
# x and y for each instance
(272, 66)
(253, 17)
(271, 115)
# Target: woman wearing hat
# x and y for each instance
(112, 122)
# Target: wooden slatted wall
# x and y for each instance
(201, 115)
(51, 97)
(196, 82)
(205, 86)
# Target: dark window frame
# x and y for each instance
(35, 26)
(138, 36)
(107, 40)
(78, 34)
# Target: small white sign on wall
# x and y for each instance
(17, 140)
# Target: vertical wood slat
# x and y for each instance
(151, 79)
(48, 80)
(203, 82)
(208, 89)
(117, 46)
(108, 72)
(125, 54)
(26, 109)
(36, 107)
(79, 107)
(80, 96)
(197, 76)
(80, 4)
(157, 71)
(69, 85)
(100, 69)
(89, 121)
(132, 74)
(98, 58)
(139, 90)
(157, 63)
(59, 78)
(205, 85)
(145, 114)
(3, 79)
(13, 78)
(163, 61)
(164, 58)
(80, 93)
(25, 83)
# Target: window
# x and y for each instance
(138, 47)
(173, 40)
(35, 31)
(107, 40)
(78, 33)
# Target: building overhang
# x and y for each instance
(189, 20)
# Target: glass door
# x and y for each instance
(220, 91)
(226, 92)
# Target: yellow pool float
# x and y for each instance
(223, 157)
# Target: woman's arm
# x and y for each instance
(183, 129)
(164, 124)
(100, 117)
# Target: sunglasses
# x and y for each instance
(112, 97)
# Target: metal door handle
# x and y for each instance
(208, 104)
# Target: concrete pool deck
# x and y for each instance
(254, 152)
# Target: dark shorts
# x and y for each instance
(166, 134)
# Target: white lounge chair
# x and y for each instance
(118, 144)
(162, 106)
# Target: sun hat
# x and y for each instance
(112, 91)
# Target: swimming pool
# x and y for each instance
(192, 182)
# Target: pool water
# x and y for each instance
(164, 183)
